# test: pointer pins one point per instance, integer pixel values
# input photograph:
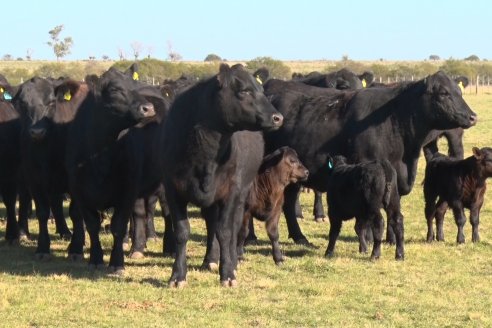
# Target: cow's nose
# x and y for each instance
(37, 133)
(147, 110)
(277, 119)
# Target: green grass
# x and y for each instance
(438, 285)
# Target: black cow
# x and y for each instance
(10, 158)
(458, 184)
(46, 113)
(343, 79)
(209, 163)
(367, 124)
(113, 156)
(361, 191)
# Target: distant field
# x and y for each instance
(438, 285)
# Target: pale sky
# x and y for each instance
(243, 30)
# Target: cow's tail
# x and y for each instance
(391, 183)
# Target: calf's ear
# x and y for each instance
(477, 153)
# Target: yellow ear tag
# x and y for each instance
(462, 88)
(364, 83)
(135, 76)
(1, 90)
(67, 96)
(259, 80)
(167, 94)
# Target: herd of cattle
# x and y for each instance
(115, 142)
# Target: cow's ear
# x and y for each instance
(367, 78)
(477, 153)
(225, 75)
(261, 75)
(132, 72)
(6, 93)
(66, 90)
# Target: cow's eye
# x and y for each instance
(245, 93)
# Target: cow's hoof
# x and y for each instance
(42, 257)
(210, 266)
(400, 257)
(320, 219)
(126, 246)
(136, 255)
(232, 283)
(76, 257)
(24, 237)
(177, 284)
(116, 271)
(279, 262)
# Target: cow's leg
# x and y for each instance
(138, 234)
(295, 232)
(92, 222)
(272, 231)
(430, 212)
(460, 219)
(377, 232)
(119, 226)
(169, 242)
(251, 238)
(441, 209)
(76, 247)
(335, 227)
(150, 205)
(9, 193)
(25, 206)
(226, 232)
(243, 232)
(212, 254)
(299, 208)
(177, 209)
(56, 205)
(395, 220)
(42, 212)
(318, 210)
(362, 225)
(474, 221)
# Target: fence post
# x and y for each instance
(476, 85)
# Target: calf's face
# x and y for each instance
(242, 102)
(447, 106)
(295, 169)
(484, 159)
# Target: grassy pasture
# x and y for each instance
(438, 285)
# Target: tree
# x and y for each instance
(29, 52)
(276, 68)
(137, 48)
(7, 57)
(121, 54)
(434, 57)
(105, 57)
(212, 57)
(60, 48)
(171, 53)
(472, 58)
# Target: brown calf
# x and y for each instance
(459, 184)
(266, 197)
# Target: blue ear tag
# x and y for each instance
(7, 96)
(330, 164)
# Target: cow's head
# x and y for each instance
(445, 104)
(483, 157)
(6, 90)
(120, 98)
(242, 103)
(35, 100)
(286, 163)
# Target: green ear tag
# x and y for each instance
(7, 96)
(330, 164)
